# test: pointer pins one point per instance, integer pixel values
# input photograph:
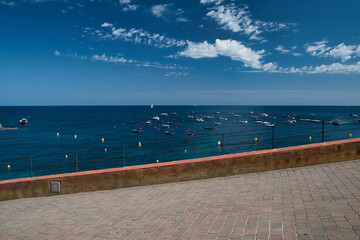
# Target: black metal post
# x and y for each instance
(323, 131)
(31, 166)
(172, 150)
(273, 137)
(222, 144)
(123, 155)
(76, 161)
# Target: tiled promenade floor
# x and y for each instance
(316, 202)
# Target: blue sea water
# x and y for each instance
(115, 125)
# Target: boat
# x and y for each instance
(223, 118)
(335, 122)
(217, 123)
(237, 115)
(353, 115)
(291, 121)
(151, 106)
(23, 121)
(148, 122)
(190, 133)
(190, 116)
(270, 125)
(209, 117)
(1, 127)
(244, 121)
(258, 120)
(264, 115)
(285, 116)
(163, 114)
(199, 120)
(209, 128)
(173, 113)
(217, 112)
(137, 131)
(169, 133)
(315, 120)
(250, 112)
(170, 123)
(156, 118)
(165, 125)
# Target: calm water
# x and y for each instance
(115, 125)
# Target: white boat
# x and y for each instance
(209, 117)
(151, 106)
(237, 115)
(190, 116)
(23, 121)
(244, 121)
(264, 115)
(217, 123)
(335, 122)
(163, 114)
(199, 120)
(270, 125)
(169, 133)
(156, 118)
(250, 112)
(223, 118)
(165, 125)
(148, 122)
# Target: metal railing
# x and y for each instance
(120, 156)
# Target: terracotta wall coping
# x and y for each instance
(179, 162)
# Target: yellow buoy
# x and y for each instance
(350, 135)
(105, 150)
(139, 144)
(185, 151)
(57, 134)
(157, 161)
(219, 143)
(75, 136)
(102, 140)
(256, 139)
(66, 156)
(310, 138)
(8, 167)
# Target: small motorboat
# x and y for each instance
(264, 115)
(250, 112)
(165, 125)
(244, 121)
(285, 116)
(335, 122)
(223, 118)
(209, 128)
(169, 133)
(199, 120)
(148, 122)
(217, 112)
(23, 121)
(190, 116)
(163, 114)
(1, 127)
(156, 118)
(237, 115)
(190, 133)
(137, 131)
(258, 120)
(217, 123)
(270, 125)
(315, 120)
(173, 113)
(209, 117)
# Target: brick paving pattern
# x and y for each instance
(315, 202)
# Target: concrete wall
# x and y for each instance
(184, 170)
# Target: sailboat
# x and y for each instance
(151, 106)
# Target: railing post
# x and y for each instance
(31, 166)
(222, 144)
(123, 155)
(172, 150)
(323, 131)
(76, 162)
(273, 138)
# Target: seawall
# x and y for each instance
(184, 170)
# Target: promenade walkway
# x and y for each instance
(315, 202)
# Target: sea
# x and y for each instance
(62, 139)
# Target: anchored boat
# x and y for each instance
(23, 121)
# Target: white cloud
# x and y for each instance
(238, 19)
(110, 59)
(139, 36)
(281, 49)
(127, 5)
(57, 53)
(160, 9)
(228, 48)
(341, 51)
(176, 74)
(105, 24)
(70, 55)
(217, 2)
(122, 2)
(8, 3)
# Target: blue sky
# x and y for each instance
(125, 52)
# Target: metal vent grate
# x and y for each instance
(55, 186)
